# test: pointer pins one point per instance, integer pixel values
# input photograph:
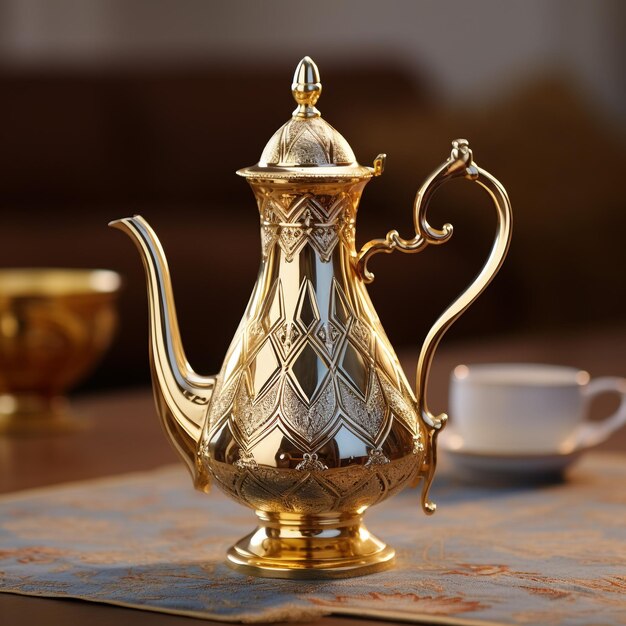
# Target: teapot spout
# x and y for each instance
(181, 395)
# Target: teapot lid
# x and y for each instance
(307, 146)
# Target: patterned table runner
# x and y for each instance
(542, 555)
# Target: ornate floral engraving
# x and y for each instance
(340, 489)
(418, 444)
(307, 141)
(269, 236)
(329, 337)
(307, 367)
(324, 238)
(376, 457)
(309, 422)
(266, 405)
(248, 415)
(399, 405)
(346, 229)
(311, 463)
(310, 495)
(295, 220)
(222, 399)
(246, 460)
(292, 237)
(288, 335)
(366, 416)
(361, 333)
(256, 330)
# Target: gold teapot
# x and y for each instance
(311, 419)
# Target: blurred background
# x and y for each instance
(115, 107)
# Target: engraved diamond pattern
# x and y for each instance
(367, 417)
(308, 371)
(355, 369)
(385, 362)
(361, 334)
(273, 311)
(311, 410)
(340, 311)
(307, 312)
(309, 421)
(249, 417)
(324, 239)
(263, 367)
(294, 221)
(255, 333)
(309, 377)
(340, 204)
(233, 362)
(269, 235)
(255, 492)
(311, 494)
(347, 488)
(398, 404)
(224, 396)
(311, 210)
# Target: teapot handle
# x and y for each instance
(460, 164)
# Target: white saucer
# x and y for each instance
(494, 467)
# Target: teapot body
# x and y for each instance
(311, 412)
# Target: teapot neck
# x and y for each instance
(297, 218)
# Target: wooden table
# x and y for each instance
(123, 434)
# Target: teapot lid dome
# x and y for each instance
(307, 146)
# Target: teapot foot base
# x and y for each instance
(309, 547)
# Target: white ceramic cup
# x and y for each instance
(524, 408)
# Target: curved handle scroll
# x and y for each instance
(460, 164)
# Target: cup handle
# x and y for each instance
(594, 433)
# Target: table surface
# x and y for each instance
(122, 434)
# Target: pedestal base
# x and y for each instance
(309, 547)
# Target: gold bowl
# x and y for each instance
(54, 326)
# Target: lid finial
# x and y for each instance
(306, 88)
